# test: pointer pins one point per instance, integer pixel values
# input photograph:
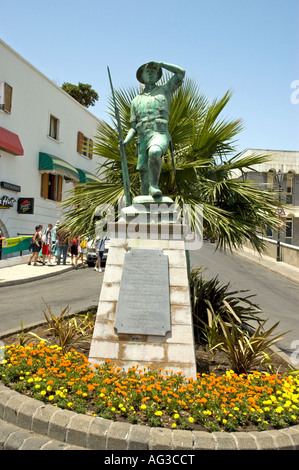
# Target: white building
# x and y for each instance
(265, 174)
(44, 134)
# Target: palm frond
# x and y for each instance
(207, 174)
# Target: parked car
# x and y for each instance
(91, 256)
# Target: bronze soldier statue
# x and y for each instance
(149, 121)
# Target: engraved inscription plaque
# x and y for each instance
(143, 305)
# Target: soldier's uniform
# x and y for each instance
(150, 116)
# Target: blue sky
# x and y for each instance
(250, 47)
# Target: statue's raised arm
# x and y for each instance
(149, 121)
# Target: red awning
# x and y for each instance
(10, 142)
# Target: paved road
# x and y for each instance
(78, 289)
(277, 297)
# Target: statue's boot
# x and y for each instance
(154, 191)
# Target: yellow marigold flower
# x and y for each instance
(190, 419)
(70, 404)
(173, 425)
(158, 413)
(43, 392)
(143, 407)
(51, 397)
(176, 416)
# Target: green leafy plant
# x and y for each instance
(27, 336)
(88, 319)
(210, 300)
(53, 322)
(244, 351)
(69, 332)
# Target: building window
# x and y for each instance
(269, 232)
(5, 97)
(51, 187)
(289, 188)
(84, 145)
(289, 229)
(54, 127)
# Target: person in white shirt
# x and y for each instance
(47, 245)
(100, 247)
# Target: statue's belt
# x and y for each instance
(155, 125)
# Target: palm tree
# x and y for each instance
(207, 172)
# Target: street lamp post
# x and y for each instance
(279, 177)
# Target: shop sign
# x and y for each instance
(10, 186)
(6, 202)
(12, 245)
(25, 205)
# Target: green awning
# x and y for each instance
(52, 164)
(86, 177)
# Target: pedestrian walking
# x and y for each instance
(54, 239)
(74, 252)
(82, 250)
(62, 244)
(35, 245)
(47, 245)
(100, 247)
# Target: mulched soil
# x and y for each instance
(206, 362)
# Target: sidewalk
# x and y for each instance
(23, 273)
(278, 267)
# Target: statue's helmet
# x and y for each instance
(153, 65)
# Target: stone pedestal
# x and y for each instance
(174, 350)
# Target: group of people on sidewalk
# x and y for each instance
(56, 241)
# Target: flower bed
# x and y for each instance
(142, 395)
